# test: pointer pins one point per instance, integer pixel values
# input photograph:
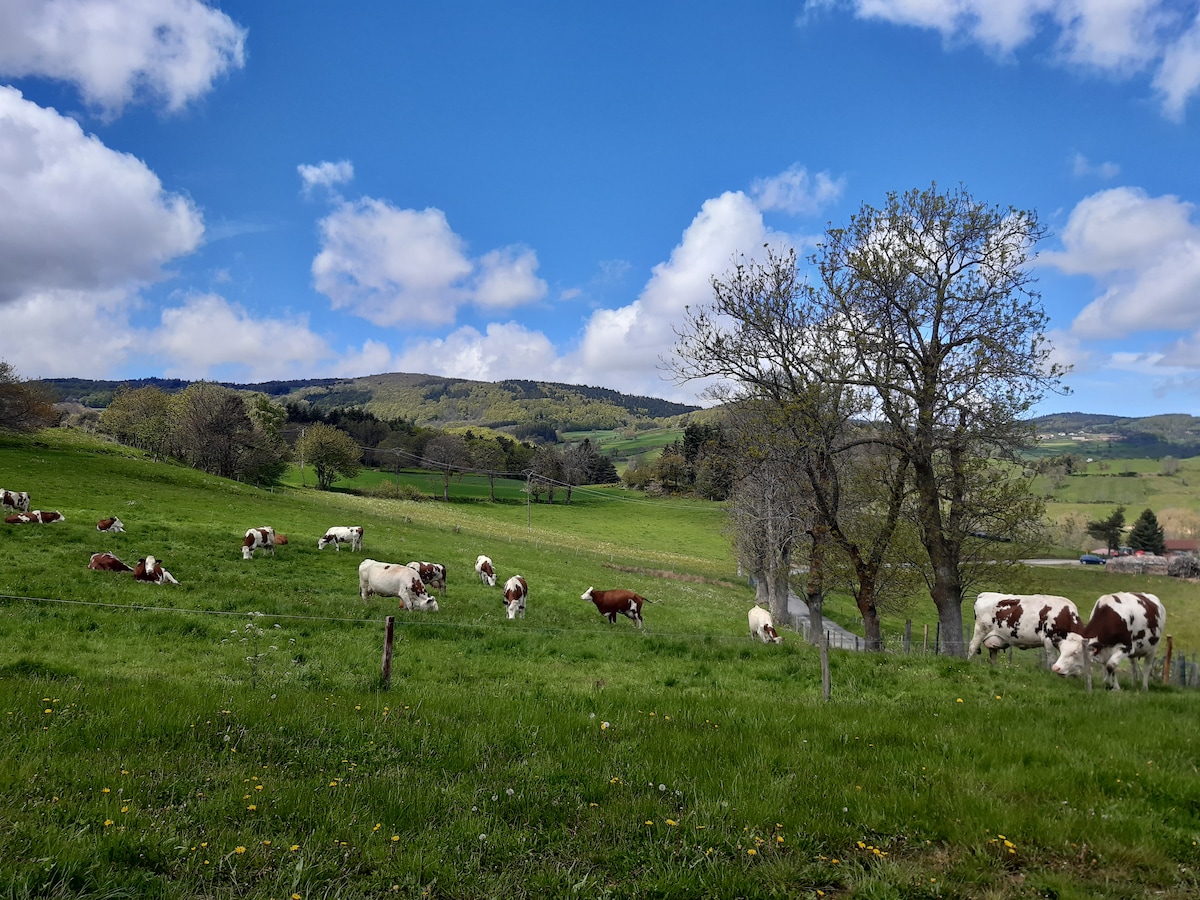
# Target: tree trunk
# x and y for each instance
(947, 584)
(870, 615)
(814, 589)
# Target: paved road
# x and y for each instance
(838, 636)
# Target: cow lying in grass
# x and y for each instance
(150, 570)
(107, 562)
(111, 525)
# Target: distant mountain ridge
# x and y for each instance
(1170, 434)
(432, 399)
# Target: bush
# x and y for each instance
(390, 490)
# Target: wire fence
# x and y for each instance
(1169, 666)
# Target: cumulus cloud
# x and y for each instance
(399, 267)
(208, 335)
(117, 51)
(1120, 39)
(503, 350)
(66, 333)
(326, 175)
(79, 216)
(626, 344)
(1143, 253)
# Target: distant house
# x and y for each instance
(1182, 548)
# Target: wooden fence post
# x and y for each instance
(907, 636)
(1087, 665)
(826, 682)
(1167, 662)
(388, 637)
(925, 643)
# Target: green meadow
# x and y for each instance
(233, 736)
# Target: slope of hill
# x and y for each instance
(434, 400)
(1149, 437)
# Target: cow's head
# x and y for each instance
(1071, 655)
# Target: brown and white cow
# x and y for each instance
(47, 516)
(762, 627)
(17, 501)
(342, 534)
(1022, 621)
(485, 570)
(394, 580)
(516, 593)
(258, 539)
(19, 519)
(1126, 624)
(111, 525)
(617, 602)
(433, 574)
(107, 562)
(151, 571)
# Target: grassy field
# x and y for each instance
(232, 737)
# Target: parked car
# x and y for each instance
(1091, 559)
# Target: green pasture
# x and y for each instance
(232, 736)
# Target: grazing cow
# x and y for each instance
(433, 574)
(394, 580)
(151, 571)
(342, 534)
(617, 602)
(516, 592)
(762, 627)
(47, 516)
(111, 525)
(106, 562)
(258, 539)
(1022, 621)
(485, 571)
(17, 501)
(19, 519)
(1125, 624)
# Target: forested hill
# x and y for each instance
(1174, 434)
(433, 400)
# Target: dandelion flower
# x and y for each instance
(252, 807)
(649, 821)
(105, 791)
(107, 822)
(959, 700)
(395, 837)
(752, 852)
(294, 847)
(295, 897)
(239, 850)
(672, 822)
(603, 726)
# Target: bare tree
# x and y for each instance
(24, 405)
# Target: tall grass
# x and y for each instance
(162, 741)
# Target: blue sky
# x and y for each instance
(247, 191)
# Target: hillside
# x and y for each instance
(434, 400)
(1147, 437)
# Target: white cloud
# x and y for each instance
(407, 267)
(1178, 78)
(1121, 38)
(325, 175)
(78, 216)
(68, 334)
(117, 50)
(1082, 167)
(505, 350)
(622, 347)
(208, 336)
(1144, 254)
(794, 191)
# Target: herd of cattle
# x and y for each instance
(1124, 625)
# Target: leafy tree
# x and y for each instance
(25, 406)
(488, 457)
(447, 454)
(922, 319)
(212, 428)
(1147, 535)
(1109, 529)
(546, 467)
(330, 451)
(143, 417)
